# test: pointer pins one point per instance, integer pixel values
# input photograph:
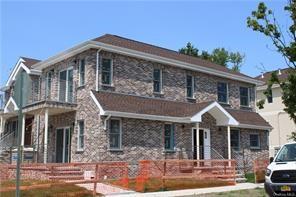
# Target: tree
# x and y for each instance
(221, 56)
(189, 50)
(263, 20)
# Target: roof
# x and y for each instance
(119, 102)
(248, 117)
(29, 62)
(163, 52)
(267, 75)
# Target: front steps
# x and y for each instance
(65, 173)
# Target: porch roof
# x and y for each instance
(124, 105)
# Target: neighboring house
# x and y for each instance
(112, 98)
(273, 111)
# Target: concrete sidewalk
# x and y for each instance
(190, 192)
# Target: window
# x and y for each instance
(48, 84)
(244, 96)
(168, 137)
(269, 98)
(234, 139)
(222, 89)
(80, 144)
(81, 72)
(107, 69)
(254, 141)
(190, 86)
(115, 134)
(66, 85)
(157, 80)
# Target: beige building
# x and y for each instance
(273, 112)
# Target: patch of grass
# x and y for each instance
(258, 192)
(12, 183)
(250, 177)
(157, 184)
(54, 191)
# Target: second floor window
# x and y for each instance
(269, 98)
(81, 72)
(244, 96)
(48, 83)
(168, 137)
(157, 80)
(222, 89)
(190, 86)
(107, 69)
(115, 134)
(80, 143)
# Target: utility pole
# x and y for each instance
(19, 136)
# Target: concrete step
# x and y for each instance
(66, 177)
(66, 168)
(56, 173)
(240, 180)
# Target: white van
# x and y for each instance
(280, 177)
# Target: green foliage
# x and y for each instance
(263, 20)
(293, 136)
(250, 177)
(220, 56)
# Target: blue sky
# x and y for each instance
(42, 29)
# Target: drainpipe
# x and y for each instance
(105, 122)
(97, 69)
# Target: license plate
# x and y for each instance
(285, 188)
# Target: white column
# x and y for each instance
(197, 141)
(1, 124)
(45, 135)
(23, 130)
(228, 142)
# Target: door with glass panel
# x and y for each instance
(66, 85)
(63, 145)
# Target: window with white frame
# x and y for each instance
(190, 86)
(157, 80)
(80, 144)
(169, 137)
(48, 83)
(81, 72)
(107, 71)
(244, 96)
(222, 90)
(235, 139)
(115, 134)
(254, 141)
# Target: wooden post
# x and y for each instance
(197, 141)
(229, 142)
(95, 181)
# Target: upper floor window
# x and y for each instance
(254, 141)
(66, 85)
(244, 96)
(234, 139)
(48, 83)
(168, 137)
(107, 71)
(115, 134)
(269, 98)
(157, 80)
(81, 72)
(222, 89)
(190, 86)
(80, 136)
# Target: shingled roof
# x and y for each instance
(29, 62)
(163, 52)
(118, 102)
(282, 76)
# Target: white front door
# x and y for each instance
(201, 147)
(207, 143)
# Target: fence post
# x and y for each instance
(95, 182)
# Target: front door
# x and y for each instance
(28, 132)
(62, 145)
(204, 148)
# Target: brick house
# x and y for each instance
(112, 98)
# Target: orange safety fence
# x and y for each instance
(156, 173)
(260, 166)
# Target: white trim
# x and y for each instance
(198, 117)
(120, 135)
(67, 83)
(11, 100)
(248, 126)
(102, 112)
(94, 44)
(264, 87)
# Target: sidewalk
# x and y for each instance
(190, 192)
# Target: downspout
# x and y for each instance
(97, 69)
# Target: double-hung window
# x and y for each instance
(222, 89)
(269, 98)
(244, 96)
(190, 86)
(157, 80)
(115, 134)
(81, 72)
(48, 84)
(80, 144)
(107, 71)
(234, 139)
(169, 137)
(254, 141)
